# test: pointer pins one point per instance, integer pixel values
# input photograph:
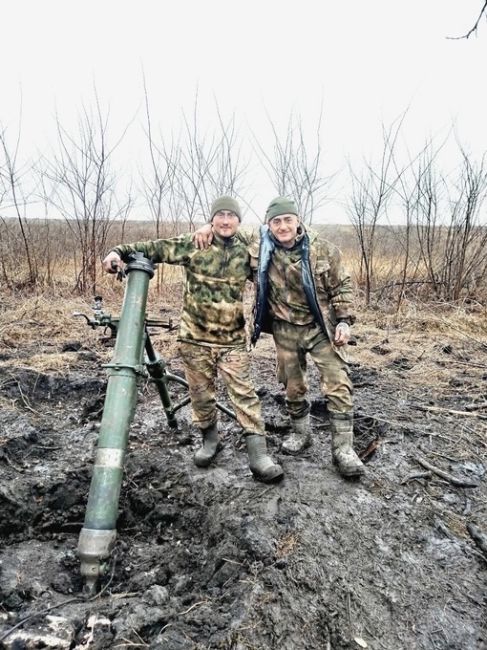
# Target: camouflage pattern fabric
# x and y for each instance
(333, 286)
(213, 291)
(287, 300)
(201, 366)
(293, 342)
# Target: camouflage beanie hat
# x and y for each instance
(225, 203)
(280, 205)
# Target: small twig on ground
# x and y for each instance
(36, 615)
(442, 527)
(11, 463)
(186, 611)
(417, 476)
(473, 364)
(259, 495)
(478, 537)
(450, 458)
(26, 401)
(458, 482)
(370, 449)
(480, 435)
(125, 643)
(349, 612)
(476, 407)
(423, 407)
(226, 559)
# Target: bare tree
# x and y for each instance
(159, 180)
(447, 259)
(372, 190)
(188, 172)
(13, 194)
(429, 186)
(465, 249)
(416, 191)
(47, 256)
(210, 164)
(84, 190)
(6, 237)
(292, 169)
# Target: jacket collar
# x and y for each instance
(224, 241)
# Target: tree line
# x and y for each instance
(438, 252)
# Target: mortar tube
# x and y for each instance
(98, 534)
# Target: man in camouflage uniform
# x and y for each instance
(304, 298)
(212, 330)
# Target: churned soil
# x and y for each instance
(210, 558)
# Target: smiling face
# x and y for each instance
(225, 223)
(285, 229)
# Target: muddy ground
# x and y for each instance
(213, 559)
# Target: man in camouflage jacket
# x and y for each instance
(304, 298)
(212, 330)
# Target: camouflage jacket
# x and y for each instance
(305, 284)
(214, 285)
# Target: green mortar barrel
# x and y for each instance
(99, 531)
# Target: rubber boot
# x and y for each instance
(261, 464)
(299, 438)
(347, 461)
(211, 446)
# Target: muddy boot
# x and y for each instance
(261, 464)
(299, 438)
(211, 446)
(347, 461)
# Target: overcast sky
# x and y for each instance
(367, 59)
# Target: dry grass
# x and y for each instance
(7, 406)
(438, 341)
(37, 327)
(57, 363)
(43, 322)
(286, 545)
(41, 319)
(48, 321)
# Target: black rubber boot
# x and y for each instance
(211, 446)
(261, 464)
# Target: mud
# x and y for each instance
(213, 559)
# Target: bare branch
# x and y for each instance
(473, 30)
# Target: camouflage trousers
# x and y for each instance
(202, 365)
(293, 343)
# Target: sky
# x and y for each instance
(365, 61)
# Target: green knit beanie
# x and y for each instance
(280, 205)
(225, 203)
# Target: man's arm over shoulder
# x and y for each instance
(175, 250)
(251, 238)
